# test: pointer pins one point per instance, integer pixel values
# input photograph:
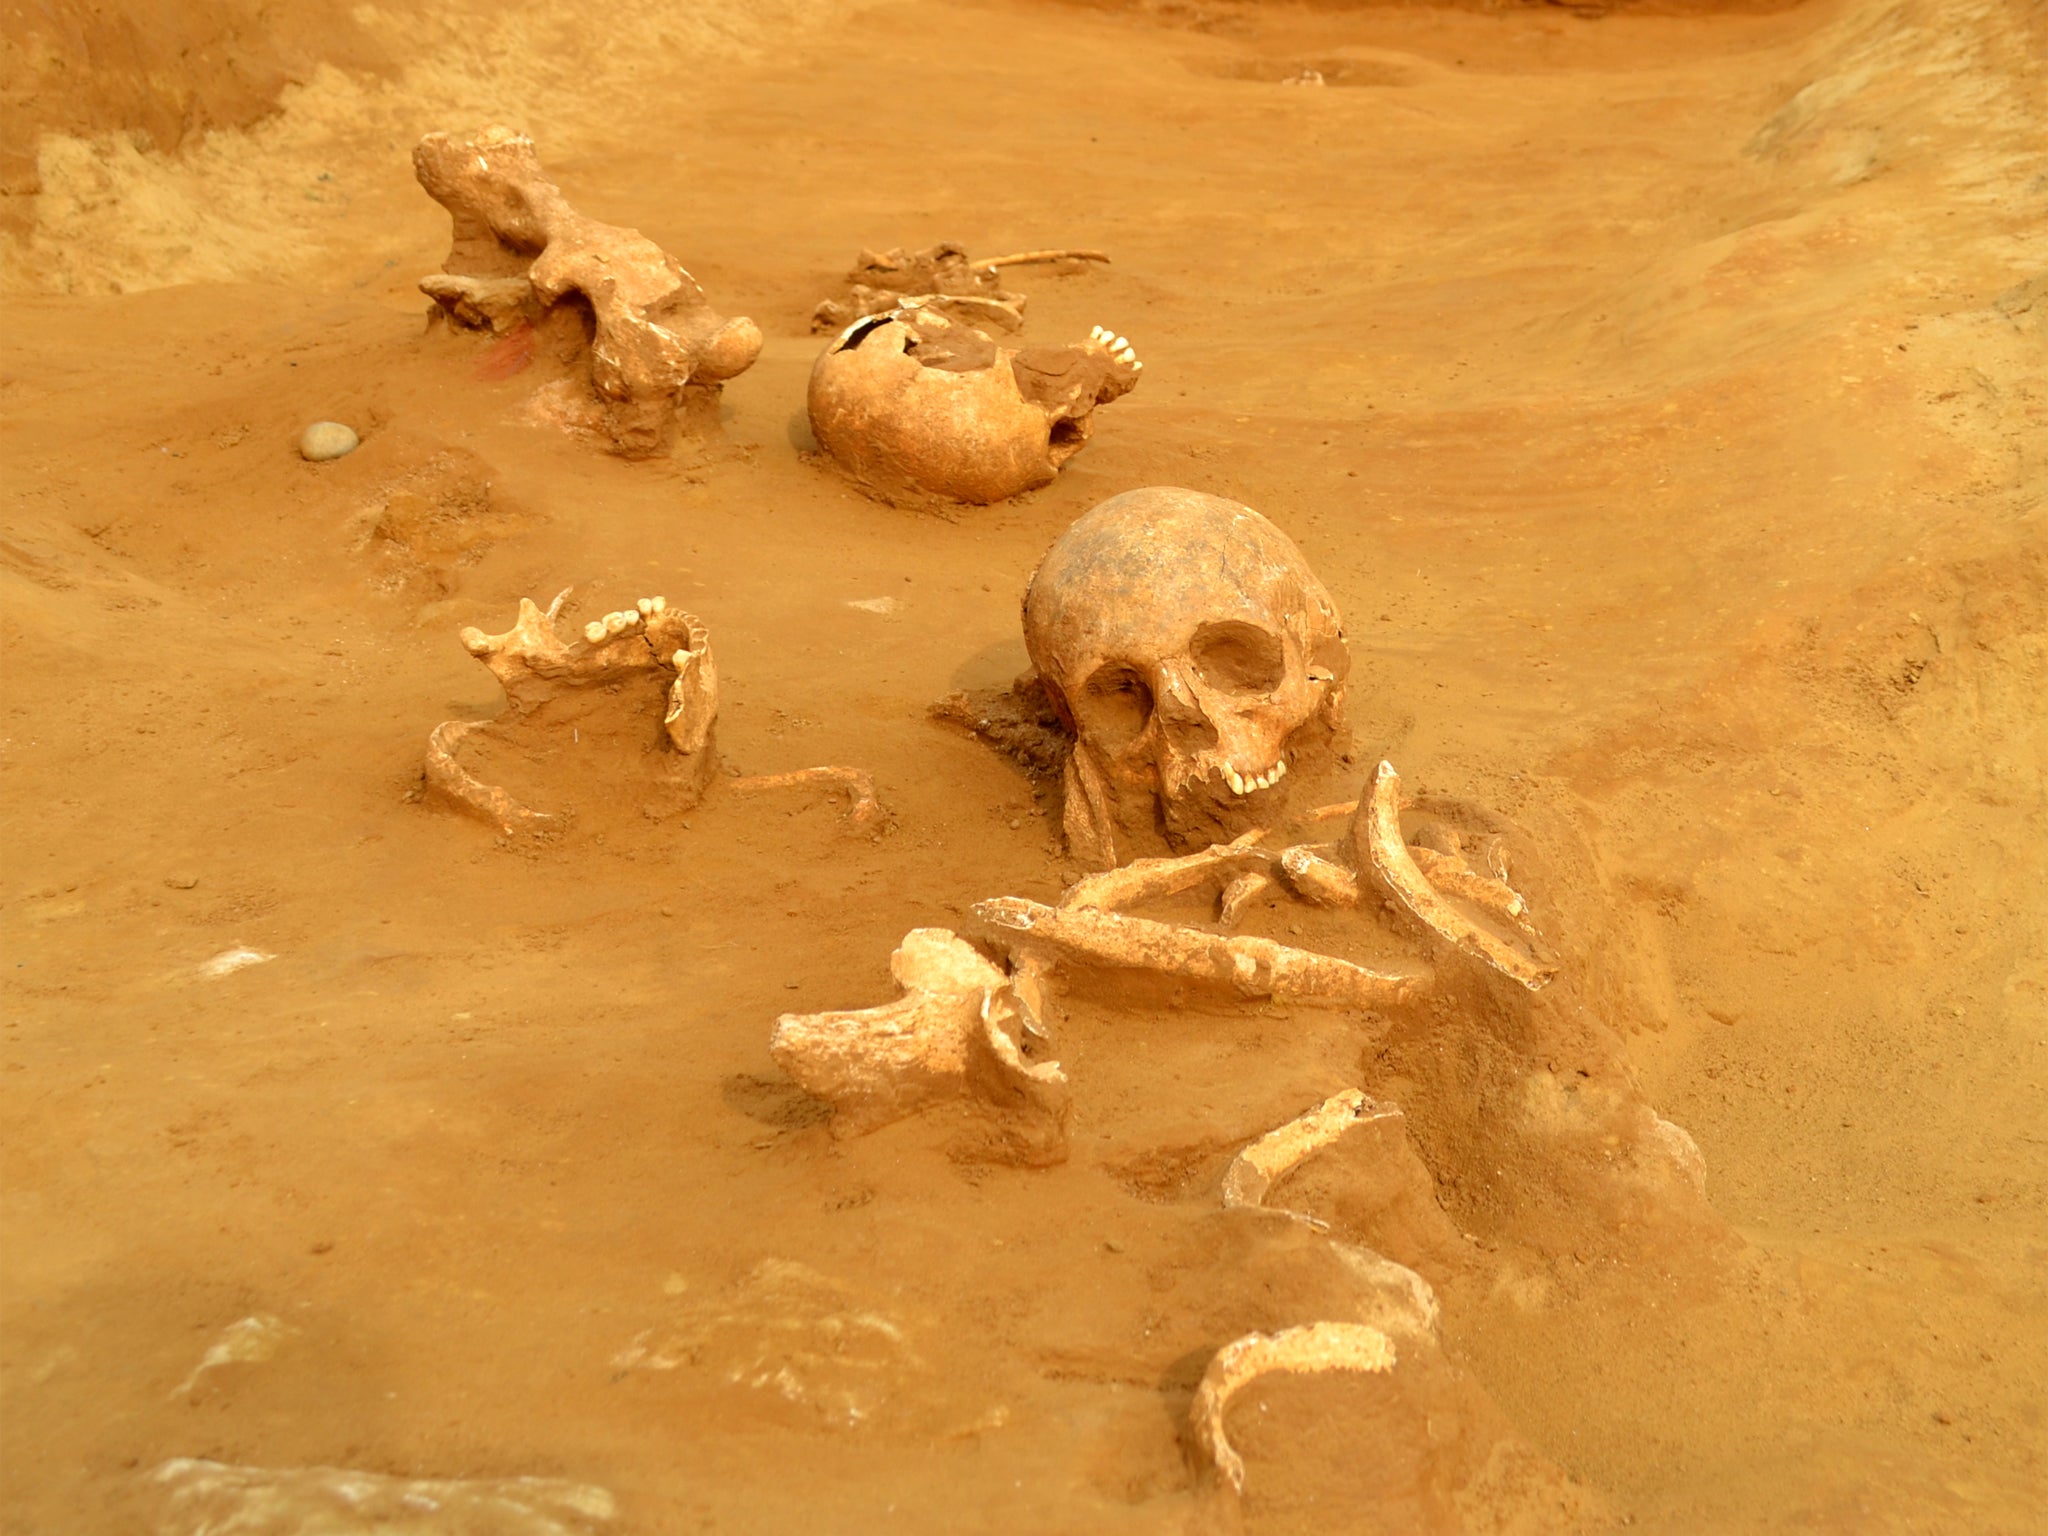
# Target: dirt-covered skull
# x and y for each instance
(914, 402)
(1197, 660)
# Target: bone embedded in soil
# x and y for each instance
(715, 1085)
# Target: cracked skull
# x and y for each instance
(1196, 659)
(914, 401)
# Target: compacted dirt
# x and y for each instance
(1664, 399)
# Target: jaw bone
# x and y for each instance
(534, 663)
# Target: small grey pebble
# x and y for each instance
(327, 440)
(181, 882)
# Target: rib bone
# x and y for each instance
(1376, 834)
(448, 777)
(1300, 1351)
(1255, 1170)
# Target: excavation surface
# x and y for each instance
(1662, 399)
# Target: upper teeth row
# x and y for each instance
(1117, 347)
(1266, 780)
(626, 618)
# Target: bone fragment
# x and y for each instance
(655, 333)
(864, 809)
(1450, 872)
(1255, 1170)
(1256, 967)
(693, 696)
(446, 776)
(1009, 314)
(879, 1064)
(1376, 833)
(1300, 1351)
(1317, 878)
(1144, 880)
(1030, 984)
(1035, 258)
(1239, 893)
(250, 1341)
(945, 1037)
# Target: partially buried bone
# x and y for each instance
(862, 808)
(1089, 923)
(1301, 1351)
(1196, 663)
(211, 1498)
(536, 665)
(522, 254)
(1376, 841)
(1254, 967)
(1255, 1170)
(914, 403)
(945, 274)
(1150, 879)
(946, 1037)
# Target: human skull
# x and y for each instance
(1197, 661)
(915, 401)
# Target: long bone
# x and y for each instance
(1255, 967)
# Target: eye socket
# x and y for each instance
(1114, 705)
(1236, 657)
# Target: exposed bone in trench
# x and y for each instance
(534, 663)
(945, 1037)
(1196, 663)
(863, 808)
(943, 274)
(914, 403)
(1255, 1170)
(520, 251)
(1088, 926)
(1376, 836)
(1255, 967)
(1305, 1350)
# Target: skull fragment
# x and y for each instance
(1197, 661)
(915, 402)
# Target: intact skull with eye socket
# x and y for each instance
(1196, 660)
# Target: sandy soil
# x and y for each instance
(1663, 399)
